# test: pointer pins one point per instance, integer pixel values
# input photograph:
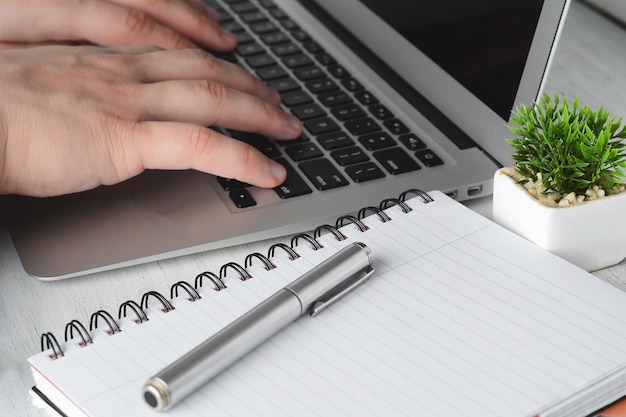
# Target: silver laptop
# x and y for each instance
(393, 95)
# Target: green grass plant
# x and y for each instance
(568, 148)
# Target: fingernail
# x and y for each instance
(293, 121)
(275, 96)
(278, 171)
(228, 37)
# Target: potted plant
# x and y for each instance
(565, 191)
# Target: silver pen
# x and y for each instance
(312, 292)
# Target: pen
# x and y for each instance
(312, 292)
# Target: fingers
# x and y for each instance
(193, 65)
(188, 17)
(139, 107)
(151, 64)
(170, 24)
(208, 103)
(176, 146)
(166, 23)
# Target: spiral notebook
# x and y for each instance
(462, 318)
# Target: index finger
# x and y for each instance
(169, 145)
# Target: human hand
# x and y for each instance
(170, 24)
(75, 117)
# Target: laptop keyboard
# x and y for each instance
(349, 136)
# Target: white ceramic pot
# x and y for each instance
(591, 235)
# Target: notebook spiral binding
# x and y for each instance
(49, 341)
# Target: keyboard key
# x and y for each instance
(297, 61)
(308, 111)
(249, 49)
(263, 28)
(335, 140)
(225, 16)
(349, 156)
(242, 198)
(325, 59)
(334, 98)
(396, 126)
(287, 142)
(308, 73)
(412, 142)
(364, 172)
(380, 112)
(229, 184)
(277, 13)
(253, 17)
(268, 149)
(366, 98)
(378, 140)
(320, 126)
(213, 4)
(396, 161)
(268, 4)
(313, 47)
(284, 84)
(351, 84)
(232, 26)
(259, 61)
(323, 174)
(300, 35)
(428, 158)
(294, 98)
(362, 126)
(272, 73)
(244, 37)
(274, 38)
(338, 71)
(228, 56)
(322, 85)
(285, 49)
(303, 152)
(347, 112)
(248, 137)
(289, 24)
(294, 185)
(243, 7)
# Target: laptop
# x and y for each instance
(393, 95)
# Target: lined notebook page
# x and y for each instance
(462, 318)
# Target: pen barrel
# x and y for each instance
(332, 277)
(223, 349)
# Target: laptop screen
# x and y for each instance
(482, 44)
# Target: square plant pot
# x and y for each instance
(591, 235)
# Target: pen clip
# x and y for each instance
(328, 299)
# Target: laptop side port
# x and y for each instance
(474, 190)
(453, 194)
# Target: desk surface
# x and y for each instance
(589, 62)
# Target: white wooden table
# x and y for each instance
(590, 62)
